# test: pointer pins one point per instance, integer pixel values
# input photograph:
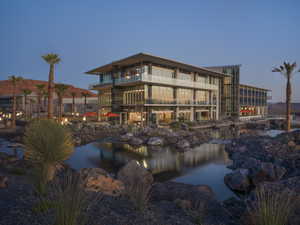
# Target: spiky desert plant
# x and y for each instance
(287, 70)
(72, 202)
(40, 94)
(14, 80)
(47, 144)
(51, 59)
(60, 90)
(271, 207)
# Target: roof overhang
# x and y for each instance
(142, 57)
(254, 87)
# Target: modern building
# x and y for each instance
(6, 92)
(148, 89)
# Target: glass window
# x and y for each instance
(162, 94)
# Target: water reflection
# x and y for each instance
(205, 164)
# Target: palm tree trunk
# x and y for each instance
(60, 109)
(85, 104)
(73, 106)
(13, 125)
(288, 104)
(50, 91)
(39, 106)
(26, 110)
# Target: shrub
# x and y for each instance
(72, 202)
(271, 207)
(47, 143)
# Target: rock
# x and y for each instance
(172, 139)
(3, 181)
(97, 179)
(291, 144)
(266, 172)
(183, 144)
(133, 172)
(157, 141)
(126, 137)
(297, 148)
(184, 204)
(238, 180)
(136, 141)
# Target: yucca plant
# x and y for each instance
(47, 144)
(271, 208)
(71, 201)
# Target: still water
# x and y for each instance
(205, 164)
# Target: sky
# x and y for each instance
(259, 34)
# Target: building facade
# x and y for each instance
(148, 89)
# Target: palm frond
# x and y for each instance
(60, 89)
(51, 58)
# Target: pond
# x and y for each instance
(205, 164)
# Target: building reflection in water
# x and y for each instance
(166, 160)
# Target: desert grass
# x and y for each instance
(271, 207)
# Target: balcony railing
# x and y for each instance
(158, 80)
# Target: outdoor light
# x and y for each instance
(66, 120)
(77, 114)
(84, 118)
(145, 164)
(0, 118)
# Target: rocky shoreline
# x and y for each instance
(256, 161)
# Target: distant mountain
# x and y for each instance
(280, 108)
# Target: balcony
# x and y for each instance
(157, 80)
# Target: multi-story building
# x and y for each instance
(145, 88)
(253, 101)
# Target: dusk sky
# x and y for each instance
(258, 34)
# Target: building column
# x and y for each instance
(192, 118)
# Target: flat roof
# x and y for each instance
(143, 57)
(250, 86)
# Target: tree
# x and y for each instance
(26, 92)
(40, 93)
(73, 102)
(60, 90)
(14, 80)
(85, 95)
(287, 70)
(51, 59)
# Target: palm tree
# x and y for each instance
(85, 95)
(40, 93)
(51, 59)
(60, 90)
(26, 92)
(14, 80)
(73, 102)
(287, 70)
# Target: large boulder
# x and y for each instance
(126, 137)
(3, 181)
(183, 144)
(238, 180)
(266, 171)
(97, 179)
(156, 141)
(135, 141)
(134, 172)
